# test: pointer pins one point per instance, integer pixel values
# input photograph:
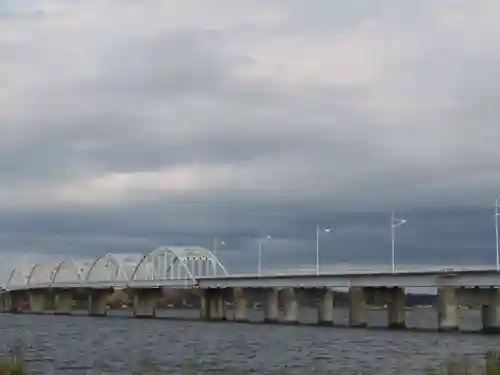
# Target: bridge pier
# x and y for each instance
(204, 304)
(326, 307)
(63, 302)
(144, 302)
(3, 303)
(447, 309)
(396, 309)
(98, 300)
(240, 305)
(271, 306)
(37, 300)
(290, 306)
(220, 303)
(15, 302)
(489, 312)
(215, 304)
(357, 310)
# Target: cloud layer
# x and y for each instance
(130, 123)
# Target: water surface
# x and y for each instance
(114, 345)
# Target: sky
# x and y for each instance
(130, 124)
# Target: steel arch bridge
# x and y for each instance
(160, 266)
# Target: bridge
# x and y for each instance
(145, 277)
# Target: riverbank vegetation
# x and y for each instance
(491, 366)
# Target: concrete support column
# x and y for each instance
(216, 304)
(489, 312)
(357, 310)
(213, 306)
(204, 304)
(240, 305)
(221, 304)
(272, 309)
(290, 306)
(144, 302)
(15, 302)
(447, 309)
(8, 302)
(98, 300)
(326, 307)
(37, 299)
(63, 302)
(397, 312)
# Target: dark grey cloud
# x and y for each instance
(132, 128)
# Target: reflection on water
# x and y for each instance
(74, 345)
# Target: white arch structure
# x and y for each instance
(112, 267)
(66, 271)
(177, 262)
(159, 264)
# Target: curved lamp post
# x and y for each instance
(261, 251)
(319, 231)
(497, 214)
(395, 222)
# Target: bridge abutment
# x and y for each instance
(357, 308)
(63, 302)
(447, 309)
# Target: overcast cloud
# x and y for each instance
(127, 124)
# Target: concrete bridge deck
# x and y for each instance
(418, 279)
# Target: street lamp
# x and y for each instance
(216, 242)
(318, 232)
(394, 224)
(261, 250)
(497, 206)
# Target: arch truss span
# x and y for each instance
(67, 271)
(18, 277)
(112, 268)
(42, 274)
(177, 263)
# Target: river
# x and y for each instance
(116, 344)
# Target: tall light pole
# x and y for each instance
(215, 247)
(497, 206)
(394, 224)
(261, 251)
(318, 232)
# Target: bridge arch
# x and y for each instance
(66, 271)
(18, 278)
(112, 267)
(176, 262)
(41, 273)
